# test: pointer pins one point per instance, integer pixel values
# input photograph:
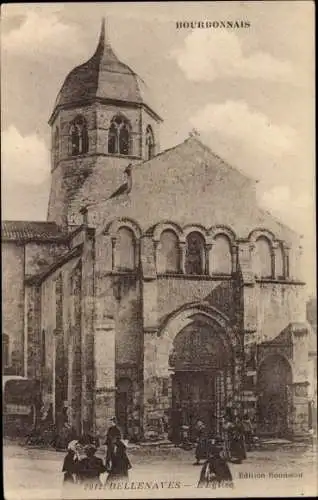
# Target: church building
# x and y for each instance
(157, 290)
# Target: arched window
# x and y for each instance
(124, 140)
(150, 143)
(221, 257)
(263, 258)
(56, 143)
(78, 136)
(279, 262)
(195, 254)
(119, 136)
(112, 139)
(5, 350)
(168, 254)
(125, 248)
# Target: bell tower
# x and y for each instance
(102, 121)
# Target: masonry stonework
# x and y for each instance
(122, 303)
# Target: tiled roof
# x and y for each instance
(31, 230)
(103, 76)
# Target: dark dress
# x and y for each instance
(248, 432)
(215, 470)
(201, 448)
(120, 463)
(89, 470)
(113, 434)
(69, 467)
(237, 442)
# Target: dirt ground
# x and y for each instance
(273, 470)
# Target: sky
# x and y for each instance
(249, 92)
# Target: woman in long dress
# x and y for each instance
(215, 470)
(233, 437)
(90, 468)
(69, 469)
(120, 463)
(201, 448)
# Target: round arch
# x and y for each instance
(167, 225)
(201, 354)
(274, 381)
(112, 227)
(186, 315)
(197, 228)
(219, 230)
(261, 233)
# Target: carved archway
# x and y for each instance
(274, 388)
(203, 357)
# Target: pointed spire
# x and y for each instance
(102, 35)
(104, 48)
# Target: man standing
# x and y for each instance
(113, 434)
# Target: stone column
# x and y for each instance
(88, 382)
(183, 250)
(33, 331)
(105, 375)
(248, 320)
(300, 408)
(75, 357)
(208, 255)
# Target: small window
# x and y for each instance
(195, 254)
(125, 250)
(5, 350)
(119, 136)
(150, 143)
(221, 257)
(124, 140)
(263, 258)
(165, 387)
(112, 139)
(168, 254)
(78, 136)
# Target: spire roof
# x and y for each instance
(103, 76)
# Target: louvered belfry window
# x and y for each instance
(119, 136)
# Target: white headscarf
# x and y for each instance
(72, 445)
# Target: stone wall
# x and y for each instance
(277, 305)
(61, 326)
(13, 304)
(174, 293)
(39, 256)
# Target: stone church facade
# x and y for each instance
(157, 290)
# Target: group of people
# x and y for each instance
(236, 438)
(82, 467)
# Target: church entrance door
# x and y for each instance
(201, 365)
(274, 402)
(196, 397)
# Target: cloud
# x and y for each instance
(24, 159)
(42, 32)
(235, 120)
(211, 54)
(297, 209)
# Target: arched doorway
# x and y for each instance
(274, 395)
(124, 398)
(202, 376)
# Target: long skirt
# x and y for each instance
(114, 477)
(237, 448)
(201, 449)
